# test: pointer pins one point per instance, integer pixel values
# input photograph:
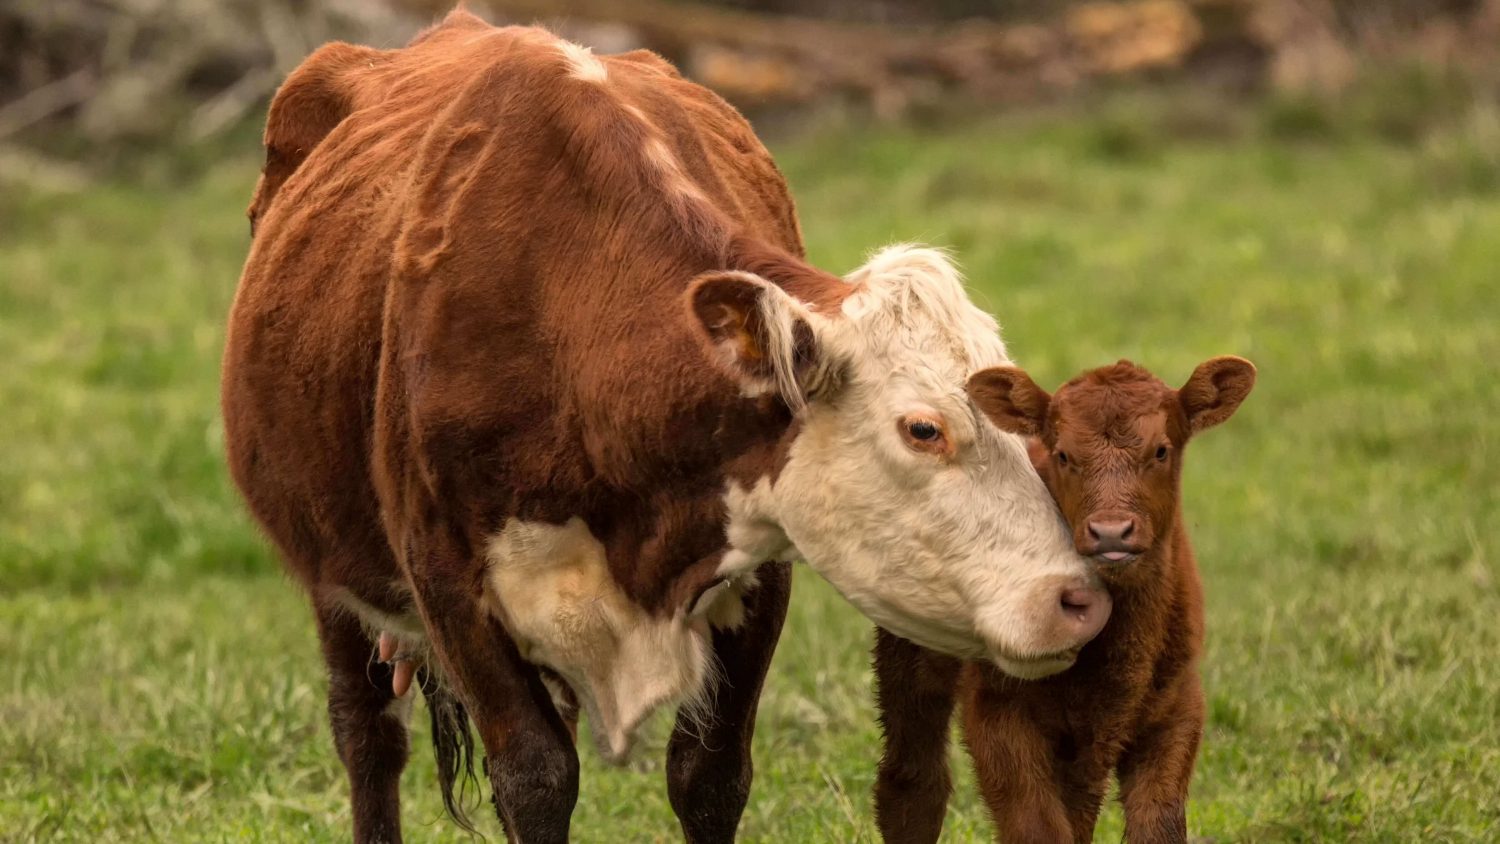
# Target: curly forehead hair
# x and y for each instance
(1110, 401)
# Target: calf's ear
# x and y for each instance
(1041, 457)
(1010, 399)
(760, 334)
(1215, 390)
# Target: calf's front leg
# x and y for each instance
(1014, 764)
(1156, 769)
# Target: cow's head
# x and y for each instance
(1110, 445)
(892, 486)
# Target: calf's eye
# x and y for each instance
(923, 430)
(1062, 458)
(1161, 452)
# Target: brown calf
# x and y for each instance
(1109, 445)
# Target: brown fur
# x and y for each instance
(1109, 447)
(465, 302)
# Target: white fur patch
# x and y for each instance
(582, 63)
(658, 155)
(551, 587)
(406, 628)
(400, 708)
(666, 174)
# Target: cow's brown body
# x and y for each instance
(1108, 446)
(453, 315)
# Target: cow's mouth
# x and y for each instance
(1035, 667)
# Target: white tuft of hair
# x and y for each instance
(779, 313)
(582, 62)
(908, 289)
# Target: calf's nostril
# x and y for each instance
(1111, 531)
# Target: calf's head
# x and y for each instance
(1109, 444)
(890, 484)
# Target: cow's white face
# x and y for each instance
(926, 517)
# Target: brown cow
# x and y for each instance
(1109, 445)
(528, 382)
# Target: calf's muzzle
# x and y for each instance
(1112, 538)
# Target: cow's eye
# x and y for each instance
(1161, 452)
(924, 432)
(1062, 458)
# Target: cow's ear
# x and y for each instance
(1215, 390)
(1010, 399)
(759, 333)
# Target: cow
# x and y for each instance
(1109, 445)
(530, 385)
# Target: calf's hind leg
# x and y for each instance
(368, 723)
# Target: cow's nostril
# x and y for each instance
(1077, 600)
(1087, 608)
(1129, 529)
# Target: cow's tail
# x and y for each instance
(453, 748)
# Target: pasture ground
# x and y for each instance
(162, 680)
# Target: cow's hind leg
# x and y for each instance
(369, 726)
(708, 764)
(916, 689)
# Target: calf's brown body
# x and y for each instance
(1109, 447)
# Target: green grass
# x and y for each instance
(163, 679)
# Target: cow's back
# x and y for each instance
(463, 251)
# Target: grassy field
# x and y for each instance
(162, 678)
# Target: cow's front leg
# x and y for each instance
(708, 764)
(529, 754)
(915, 690)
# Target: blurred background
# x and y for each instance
(1313, 184)
(145, 72)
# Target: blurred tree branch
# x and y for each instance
(49, 99)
